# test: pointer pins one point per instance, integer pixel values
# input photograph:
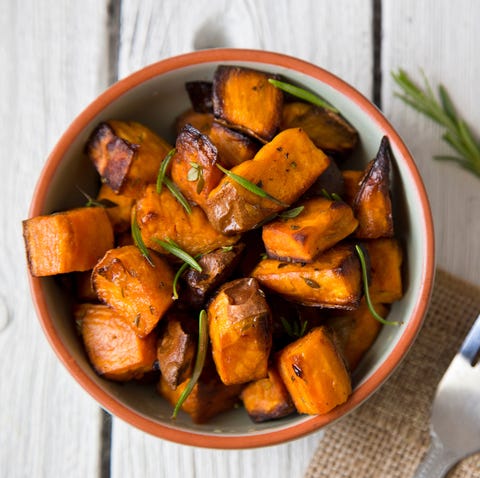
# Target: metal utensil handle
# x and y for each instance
(437, 461)
(471, 345)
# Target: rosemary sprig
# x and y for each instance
(92, 202)
(441, 110)
(363, 264)
(172, 187)
(199, 361)
(291, 213)
(176, 250)
(296, 329)
(249, 186)
(178, 274)
(331, 196)
(302, 94)
(195, 173)
(163, 169)
(138, 240)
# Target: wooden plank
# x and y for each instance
(442, 41)
(334, 35)
(53, 64)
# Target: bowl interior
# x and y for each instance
(156, 99)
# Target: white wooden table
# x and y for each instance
(58, 55)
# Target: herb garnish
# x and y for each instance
(199, 361)
(178, 274)
(138, 240)
(172, 187)
(249, 186)
(176, 250)
(296, 329)
(92, 202)
(363, 264)
(195, 173)
(302, 94)
(457, 133)
(291, 213)
(311, 283)
(331, 196)
(163, 169)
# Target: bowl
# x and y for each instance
(154, 96)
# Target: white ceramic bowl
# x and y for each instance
(154, 96)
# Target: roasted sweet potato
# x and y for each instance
(201, 121)
(385, 256)
(139, 292)
(233, 146)
(357, 331)
(372, 205)
(327, 129)
(161, 216)
(113, 348)
(200, 94)
(267, 398)
(193, 166)
(321, 224)
(216, 268)
(120, 214)
(285, 168)
(67, 241)
(240, 331)
(127, 155)
(244, 99)
(314, 372)
(333, 280)
(351, 181)
(176, 348)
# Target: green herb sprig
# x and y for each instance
(303, 94)
(195, 173)
(249, 186)
(171, 246)
(442, 111)
(138, 240)
(163, 169)
(291, 213)
(92, 202)
(296, 328)
(199, 361)
(375, 314)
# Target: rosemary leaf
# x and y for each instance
(176, 250)
(291, 213)
(199, 361)
(92, 202)
(375, 314)
(302, 94)
(249, 186)
(178, 274)
(163, 169)
(172, 187)
(138, 240)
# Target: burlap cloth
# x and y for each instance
(388, 435)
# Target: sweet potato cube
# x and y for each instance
(244, 98)
(67, 241)
(372, 205)
(267, 398)
(127, 155)
(120, 214)
(285, 168)
(193, 166)
(201, 121)
(176, 348)
(385, 285)
(327, 129)
(314, 372)
(161, 216)
(200, 94)
(321, 224)
(233, 146)
(351, 183)
(114, 350)
(240, 331)
(333, 280)
(137, 291)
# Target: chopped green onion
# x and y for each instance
(176, 250)
(199, 361)
(138, 240)
(163, 169)
(172, 187)
(375, 314)
(291, 213)
(302, 94)
(249, 186)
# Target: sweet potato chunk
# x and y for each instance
(267, 398)
(216, 268)
(67, 241)
(120, 214)
(193, 166)
(314, 372)
(333, 280)
(161, 216)
(385, 285)
(233, 146)
(201, 121)
(140, 293)
(351, 182)
(285, 168)
(127, 155)
(240, 331)
(176, 348)
(244, 98)
(372, 205)
(321, 224)
(114, 350)
(327, 129)
(200, 94)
